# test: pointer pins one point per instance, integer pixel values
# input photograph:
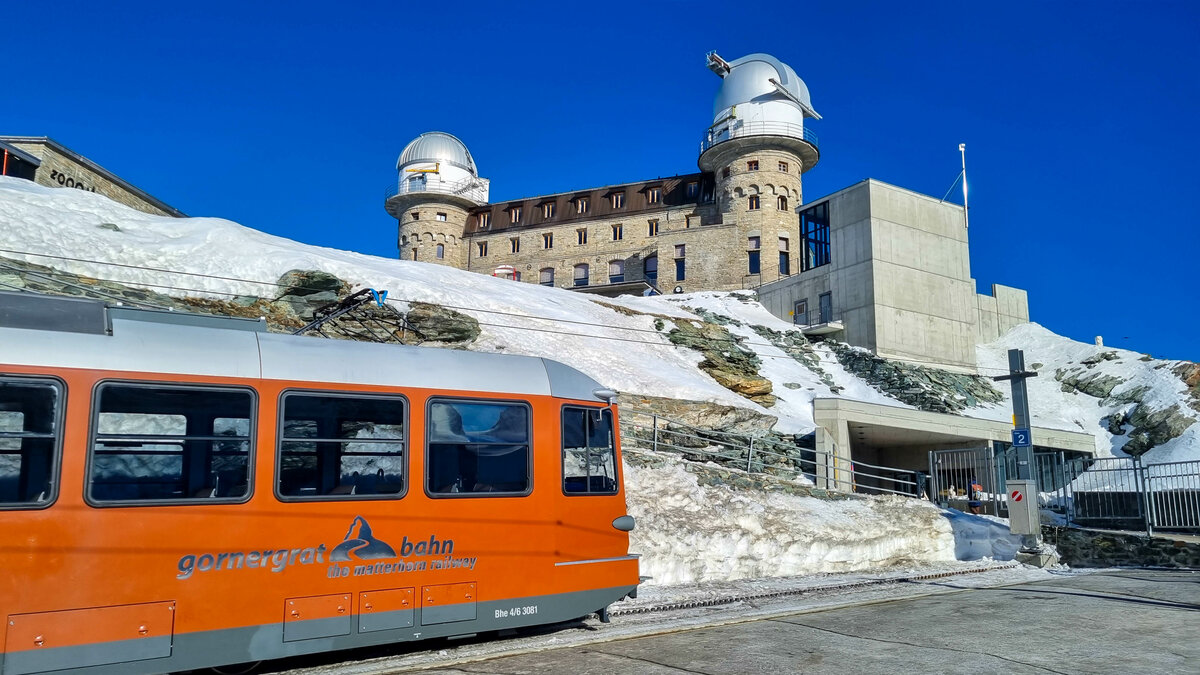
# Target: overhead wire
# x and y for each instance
(733, 341)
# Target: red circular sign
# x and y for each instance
(1017, 496)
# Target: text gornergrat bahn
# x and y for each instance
(180, 491)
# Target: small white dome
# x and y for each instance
(437, 146)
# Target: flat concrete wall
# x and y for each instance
(999, 312)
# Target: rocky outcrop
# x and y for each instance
(1190, 374)
(702, 414)
(922, 387)
(724, 360)
(435, 323)
(794, 344)
(1152, 428)
(1093, 384)
(306, 291)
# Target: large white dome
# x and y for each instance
(437, 146)
(749, 80)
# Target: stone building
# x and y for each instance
(873, 265)
(47, 162)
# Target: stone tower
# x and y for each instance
(756, 150)
(437, 185)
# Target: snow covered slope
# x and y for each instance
(689, 532)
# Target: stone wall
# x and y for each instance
(425, 226)
(60, 168)
(1090, 548)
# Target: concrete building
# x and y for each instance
(48, 162)
(873, 265)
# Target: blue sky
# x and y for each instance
(1079, 118)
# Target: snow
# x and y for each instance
(687, 533)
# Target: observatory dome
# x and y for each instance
(437, 146)
(749, 81)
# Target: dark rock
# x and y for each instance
(308, 282)
(435, 323)
(109, 226)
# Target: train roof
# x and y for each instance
(48, 331)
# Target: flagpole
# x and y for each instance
(962, 148)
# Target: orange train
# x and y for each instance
(180, 491)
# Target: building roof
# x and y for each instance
(673, 193)
(437, 146)
(108, 175)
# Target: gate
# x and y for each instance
(951, 473)
(1173, 495)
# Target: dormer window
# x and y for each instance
(514, 214)
(654, 195)
(485, 221)
(692, 189)
(583, 205)
(548, 210)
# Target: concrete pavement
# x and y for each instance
(1108, 622)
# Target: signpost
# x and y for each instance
(1025, 483)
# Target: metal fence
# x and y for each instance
(1105, 492)
(774, 455)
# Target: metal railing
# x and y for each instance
(1173, 495)
(474, 189)
(763, 454)
(740, 129)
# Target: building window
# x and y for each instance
(785, 266)
(581, 274)
(725, 172)
(618, 232)
(755, 266)
(441, 251)
(581, 236)
(416, 215)
(692, 189)
(582, 205)
(653, 195)
(441, 217)
(783, 167)
(754, 243)
(752, 165)
(689, 221)
(616, 271)
(548, 210)
(752, 201)
(482, 246)
(814, 230)
(781, 203)
(650, 269)
(548, 240)
(514, 214)
(546, 276)
(515, 244)
(618, 200)
(414, 254)
(485, 221)
(680, 252)
(652, 230)
(477, 447)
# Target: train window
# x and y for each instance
(589, 451)
(477, 447)
(340, 446)
(179, 443)
(30, 428)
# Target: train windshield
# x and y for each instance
(589, 451)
